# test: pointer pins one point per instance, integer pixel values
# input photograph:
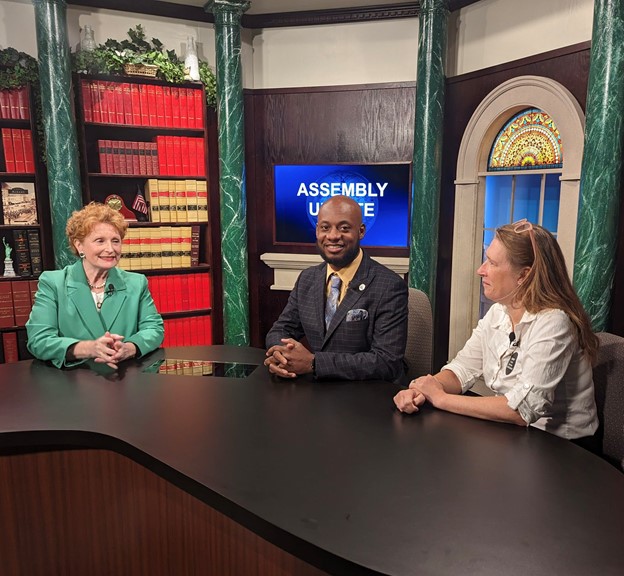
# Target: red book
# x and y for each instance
(160, 106)
(201, 157)
(204, 281)
(21, 302)
(143, 98)
(135, 104)
(97, 95)
(192, 291)
(121, 155)
(119, 102)
(9, 154)
(177, 291)
(154, 286)
(171, 294)
(177, 156)
(110, 165)
(170, 166)
(127, 104)
(161, 146)
(153, 154)
(136, 166)
(151, 105)
(190, 107)
(102, 156)
(198, 97)
(5, 108)
(87, 101)
(142, 163)
(9, 342)
(18, 150)
(192, 156)
(108, 103)
(29, 156)
(115, 157)
(7, 315)
(183, 108)
(14, 112)
(23, 103)
(167, 106)
(184, 157)
(175, 106)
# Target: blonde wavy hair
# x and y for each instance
(547, 284)
(82, 222)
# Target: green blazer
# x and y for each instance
(64, 313)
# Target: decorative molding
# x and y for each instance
(276, 20)
(287, 267)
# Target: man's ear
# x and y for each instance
(362, 230)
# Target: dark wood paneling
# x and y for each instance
(78, 512)
(313, 126)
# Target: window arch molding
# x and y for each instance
(496, 108)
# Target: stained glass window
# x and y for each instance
(530, 140)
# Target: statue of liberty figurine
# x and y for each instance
(8, 262)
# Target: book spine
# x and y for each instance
(136, 164)
(151, 105)
(195, 245)
(199, 108)
(5, 108)
(127, 104)
(160, 106)
(34, 251)
(29, 156)
(97, 97)
(184, 157)
(9, 154)
(87, 102)
(190, 107)
(119, 102)
(175, 106)
(153, 154)
(9, 342)
(7, 314)
(183, 108)
(13, 105)
(18, 150)
(23, 103)
(135, 104)
(22, 254)
(21, 302)
(167, 106)
(144, 99)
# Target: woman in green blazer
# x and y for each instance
(92, 310)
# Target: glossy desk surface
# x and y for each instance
(332, 473)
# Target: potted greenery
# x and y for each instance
(136, 55)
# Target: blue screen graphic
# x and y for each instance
(382, 190)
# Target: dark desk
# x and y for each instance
(163, 474)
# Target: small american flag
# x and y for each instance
(139, 203)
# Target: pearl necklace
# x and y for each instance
(93, 287)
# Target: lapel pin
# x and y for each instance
(361, 287)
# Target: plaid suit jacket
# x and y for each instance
(366, 338)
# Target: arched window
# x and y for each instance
(522, 178)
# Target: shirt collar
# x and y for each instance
(347, 273)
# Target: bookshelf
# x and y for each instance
(24, 218)
(146, 137)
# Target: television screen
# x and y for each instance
(382, 190)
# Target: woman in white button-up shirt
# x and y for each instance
(534, 347)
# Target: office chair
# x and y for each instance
(419, 347)
(609, 388)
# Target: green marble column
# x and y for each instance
(428, 145)
(233, 203)
(601, 175)
(58, 120)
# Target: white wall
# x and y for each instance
(487, 33)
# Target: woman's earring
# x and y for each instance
(82, 255)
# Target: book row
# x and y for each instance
(186, 367)
(123, 157)
(160, 248)
(19, 204)
(180, 292)
(16, 301)
(193, 331)
(13, 347)
(177, 200)
(166, 155)
(26, 245)
(17, 151)
(135, 104)
(14, 104)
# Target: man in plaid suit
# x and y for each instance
(365, 337)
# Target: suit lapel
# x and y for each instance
(114, 299)
(79, 294)
(355, 291)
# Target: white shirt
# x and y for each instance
(544, 374)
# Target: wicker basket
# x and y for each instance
(147, 70)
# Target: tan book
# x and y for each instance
(191, 201)
(180, 200)
(156, 249)
(202, 201)
(164, 200)
(151, 195)
(145, 249)
(185, 233)
(129, 253)
(176, 246)
(166, 248)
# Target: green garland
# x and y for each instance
(110, 58)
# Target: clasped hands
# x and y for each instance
(110, 349)
(426, 388)
(289, 359)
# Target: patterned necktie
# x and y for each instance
(332, 298)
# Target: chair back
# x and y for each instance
(609, 386)
(419, 347)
